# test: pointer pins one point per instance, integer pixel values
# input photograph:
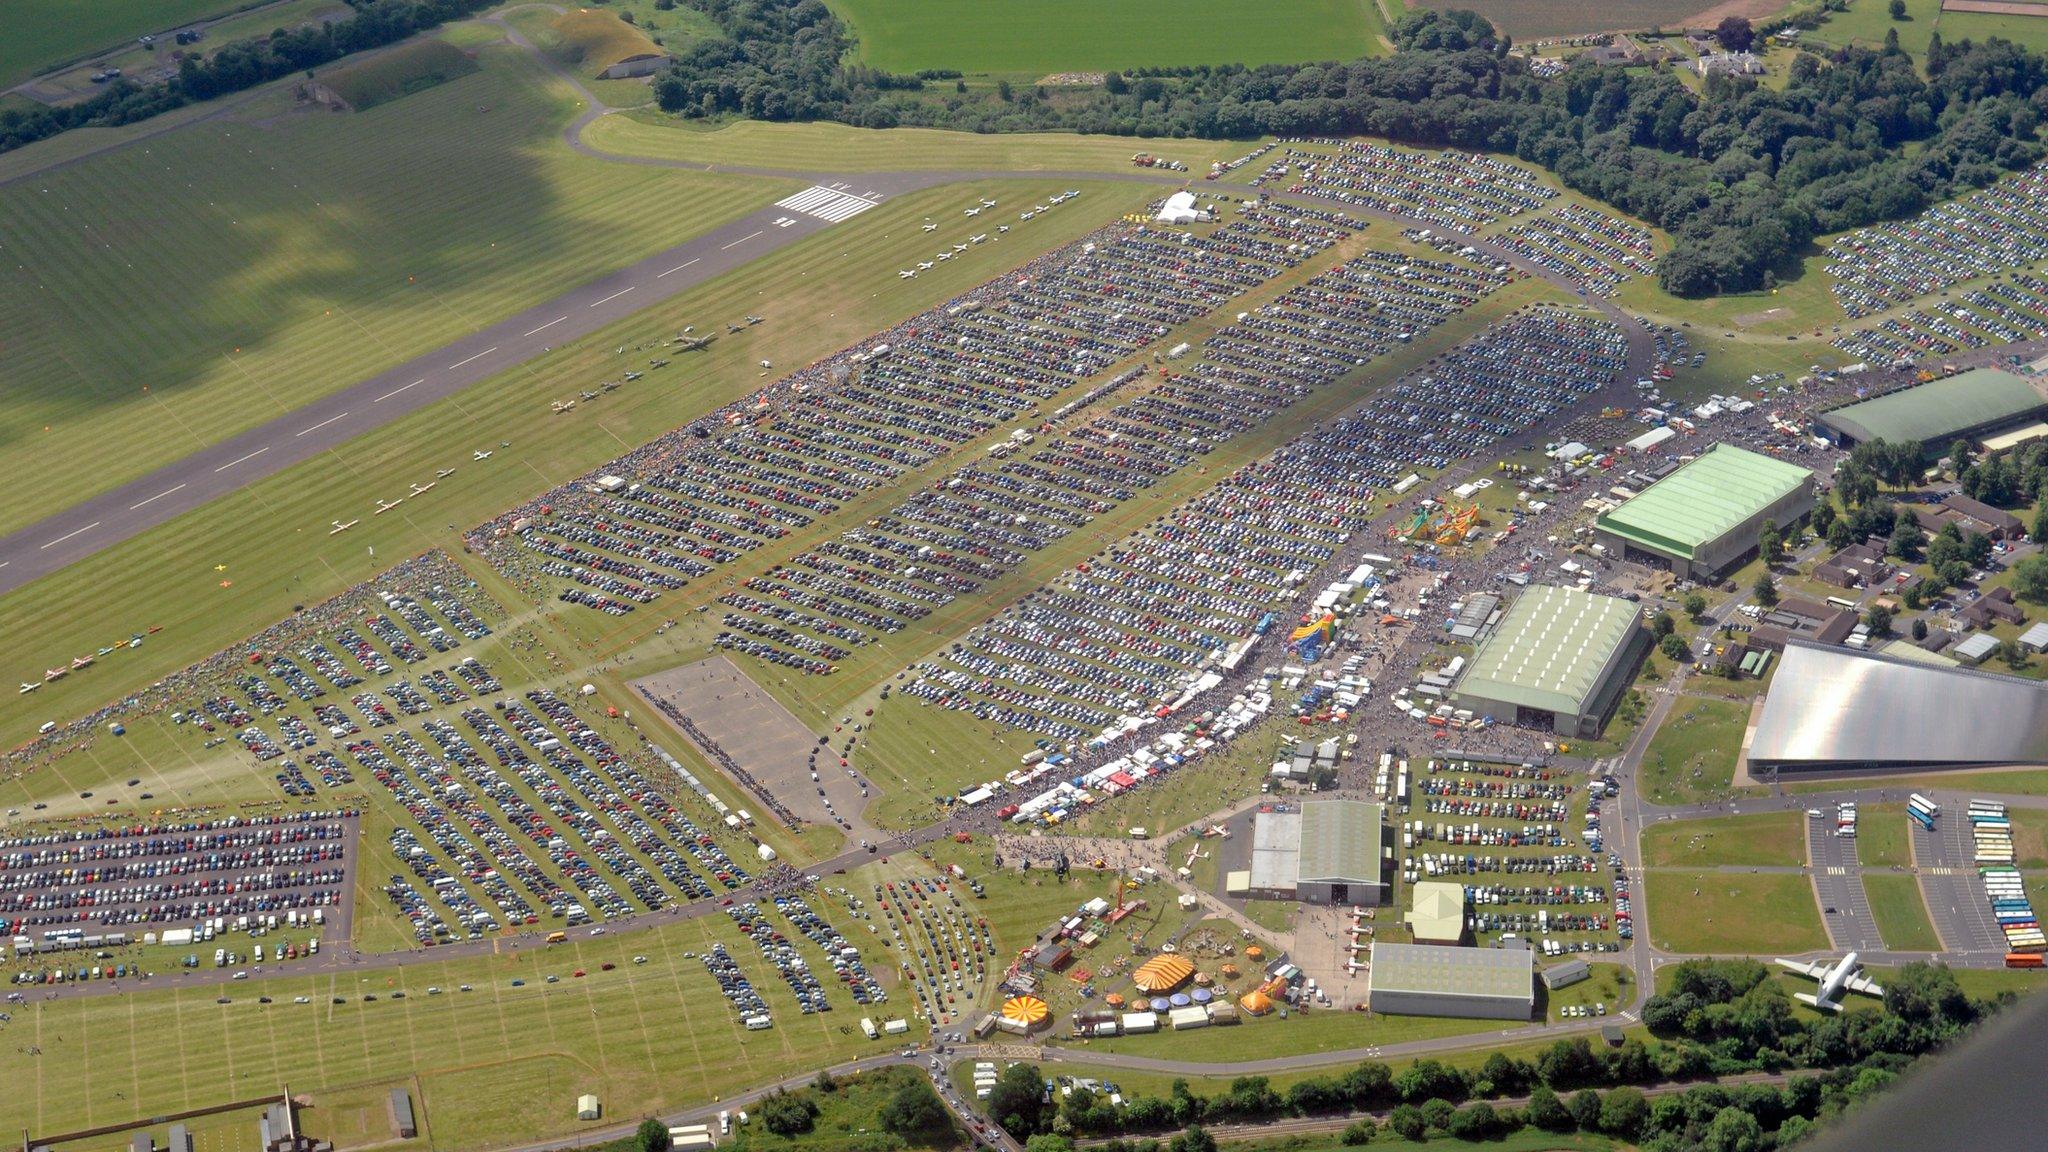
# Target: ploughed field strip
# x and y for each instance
(1113, 639)
(802, 450)
(2000, 229)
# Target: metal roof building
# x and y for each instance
(1837, 710)
(1560, 657)
(1328, 852)
(1962, 407)
(1704, 518)
(1476, 983)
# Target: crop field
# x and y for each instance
(1038, 37)
(313, 252)
(45, 32)
(1767, 838)
(172, 570)
(1733, 914)
(1525, 19)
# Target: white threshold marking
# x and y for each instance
(740, 241)
(69, 535)
(680, 267)
(478, 356)
(612, 297)
(544, 327)
(250, 456)
(322, 424)
(155, 498)
(396, 391)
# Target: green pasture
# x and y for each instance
(818, 296)
(42, 33)
(1037, 37)
(147, 63)
(1865, 23)
(1900, 912)
(298, 256)
(1882, 831)
(2030, 32)
(1527, 19)
(1733, 914)
(1763, 838)
(837, 148)
(1691, 759)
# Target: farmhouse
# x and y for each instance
(1559, 659)
(1729, 64)
(1475, 983)
(1329, 852)
(1705, 518)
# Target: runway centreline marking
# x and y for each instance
(155, 498)
(680, 267)
(396, 391)
(544, 327)
(322, 424)
(69, 535)
(478, 356)
(250, 456)
(740, 241)
(612, 297)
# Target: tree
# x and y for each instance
(1406, 1120)
(915, 1112)
(1907, 538)
(787, 1115)
(1919, 628)
(1475, 1122)
(1958, 452)
(1839, 534)
(1192, 1140)
(1770, 543)
(2030, 579)
(1732, 1129)
(1017, 1100)
(1437, 1113)
(1823, 516)
(1878, 619)
(2040, 529)
(1623, 1112)
(2015, 657)
(1047, 1142)
(1695, 605)
(1662, 625)
(1675, 648)
(1765, 590)
(1546, 1111)
(1359, 1131)
(1585, 1108)
(650, 1136)
(1735, 34)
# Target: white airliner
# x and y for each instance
(1833, 982)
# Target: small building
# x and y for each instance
(1472, 983)
(1704, 518)
(1853, 567)
(1992, 608)
(1179, 208)
(587, 1107)
(1729, 64)
(1612, 1034)
(1438, 915)
(1975, 648)
(1558, 659)
(401, 1114)
(1998, 523)
(644, 64)
(1566, 974)
(2035, 639)
(180, 1139)
(1051, 956)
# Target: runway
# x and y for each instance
(224, 467)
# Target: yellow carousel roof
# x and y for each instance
(1256, 1002)
(1025, 1009)
(1162, 973)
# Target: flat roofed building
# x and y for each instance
(1967, 406)
(1566, 974)
(1474, 983)
(1328, 852)
(1559, 658)
(1704, 518)
(1838, 710)
(1438, 915)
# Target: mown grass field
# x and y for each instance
(40, 33)
(838, 148)
(818, 296)
(1044, 36)
(1733, 914)
(1692, 758)
(1525, 19)
(302, 255)
(1766, 838)
(403, 71)
(1882, 831)
(1900, 912)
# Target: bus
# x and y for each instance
(1842, 602)
(1921, 818)
(1919, 801)
(2024, 960)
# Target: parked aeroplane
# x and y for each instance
(1834, 980)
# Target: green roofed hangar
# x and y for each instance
(1559, 659)
(1704, 519)
(1973, 405)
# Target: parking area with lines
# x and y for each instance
(1844, 905)
(1955, 897)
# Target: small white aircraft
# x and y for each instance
(978, 237)
(480, 454)
(974, 211)
(444, 473)
(907, 274)
(339, 527)
(27, 687)
(1834, 980)
(930, 227)
(423, 489)
(384, 506)
(988, 203)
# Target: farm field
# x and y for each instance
(2030, 32)
(317, 253)
(1044, 36)
(1766, 838)
(45, 32)
(1691, 759)
(1732, 914)
(1865, 23)
(841, 284)
(838, 148)
(147, 64)
(1525, 19)
(1900, 912)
